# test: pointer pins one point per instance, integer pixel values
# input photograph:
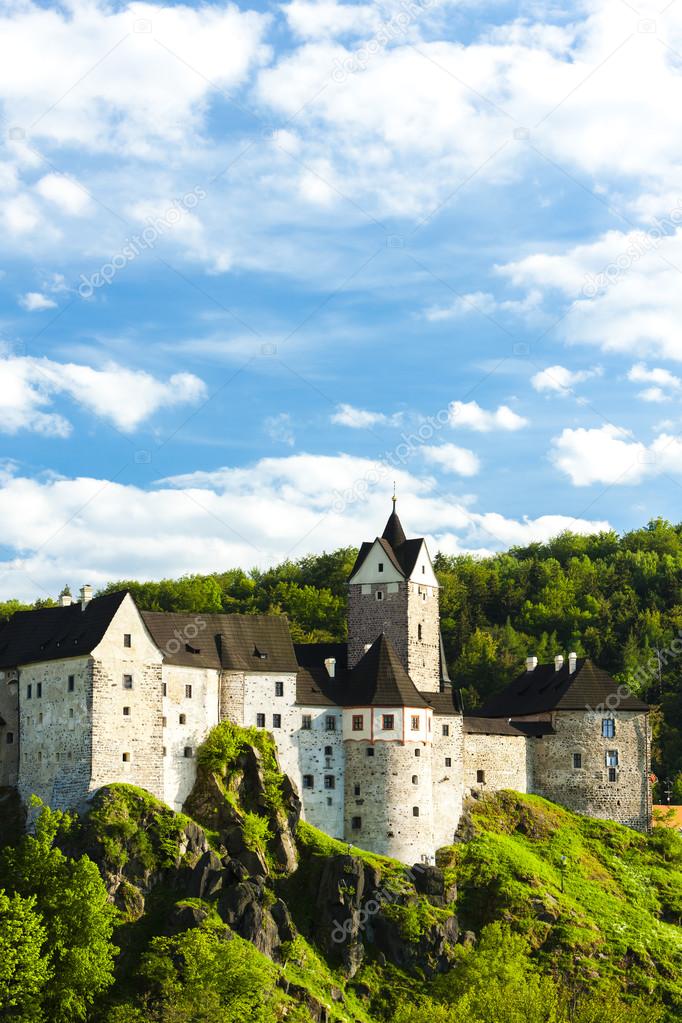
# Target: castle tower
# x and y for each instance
(393, 590)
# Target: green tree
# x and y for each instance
(24, 971)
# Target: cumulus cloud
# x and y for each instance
(663, 384)
(124, 397)
(75, 529)
(362, 419)
(452, 459)
(469, 415)
(560, 380)
(610, 455)
(35, 301)
(66, 194)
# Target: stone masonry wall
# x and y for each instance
(587, 789)
(423, 653)
(504, 759)
(391, 784)
(447, 778)
(9, 732)
(188, 715)
(369, 617)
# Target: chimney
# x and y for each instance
(558, 662)
(531, 663)
(65, 599)
(330, 665)
(572, 662)
(86, 595)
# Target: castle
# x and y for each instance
(371, 731)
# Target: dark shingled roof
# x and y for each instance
(545, 689)
(499, 726)
(394, 532)
(379, 680)
(401, 552)
(445, 702)
(51, 633)
(233, 642)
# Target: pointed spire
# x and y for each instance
(394, 532)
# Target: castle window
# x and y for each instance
(126, 712)
(356, 790)
(70, 712)
(328, 751)
(71, 683)
(415, 779)
(188, 752)
(127, 681)
(330, 801)
(417, 753)
(330, 723)
(446, 729)
(577, 761)
(308, 781)
(127, 639)
(415, 811)
(10, 738)
(164, 722)
(380, 594)
(356, 823)
(613, 774)
(612, 758)
(329, 781)
(370, 751)
(40, 755)
(276, 720)
(419, 632)
(188, 692)
(448, 761)
(306, 722)
(164, 689)
(380, 566)
(182, 719)
(39, 689)
(415, 723)
(608, 728)
(165, 751)
(125, 757)
(29, 692)
(40, 719)
(279, 688)
(358, 722)
(423, 569)
(388, 722)
(260, 720)
(480, 777)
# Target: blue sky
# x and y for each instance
(260, 261)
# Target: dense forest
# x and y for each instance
(615, 598)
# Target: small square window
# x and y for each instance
(165, 752)
(415, 779)
(10, 738)
(164, 722)
(276, 720)
(188, 692)
(356, 790)
(380, 595)
(417, 752)
(480, 777)
(577, 761)
(330, 723)
(370, 751)
(612, 758)
(446, 729)
(330, 801)
(188, 752)
(388, 723)
(356, 823)
(127, 639)
(613, 774)
(126, 712)
(40, 755)
(419, 632)
(448, 761)
(328, 751)
(423, 569)
(329, 781)
(127, 681)
(308, 781)
(306, 722)
(40, 719)
(279, 688)
(260, 720)
(358, 722)
(380, 566)
(182, 719)
(608, 728)
(29, 692)
(71, 683)
(414, 723)
(415, 811)
(125, 757)
(39, 689)
(70, 712)
(164, 689)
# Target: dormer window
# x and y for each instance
(192, 649)
(259, 654)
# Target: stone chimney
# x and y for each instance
(572, 662)
(330, 665)
(86, 595)
(65, 599)
(531, 663)
(558, 662)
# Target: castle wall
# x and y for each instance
(55, 740)
(369, 617)
(504, 759)
(382, 791)
(9, 732)
(318, 753)
(447, 778)
(423, 651)
(199, 709)
(587, 789)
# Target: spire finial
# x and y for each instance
(394, 498)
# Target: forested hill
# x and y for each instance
(616, 598)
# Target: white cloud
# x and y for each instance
(279, 428)
(610, 455)
(65, 193)
(450, 458)
(124, 397)
(319, 19)
(35, 301)
(101, 530)
(471, 416)
(663, 384)
(362, 419)
(560, 380)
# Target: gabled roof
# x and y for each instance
(444, 702)
(380, 680)
(314, 687)
(229, 641)
(401, 552)
(51, 633)
(545, 689)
